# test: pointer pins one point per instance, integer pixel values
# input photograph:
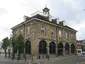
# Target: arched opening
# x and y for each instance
(52, 48)
(72, 48)
(28, 47)
(67, 48)
(42, 47)
(60, 49)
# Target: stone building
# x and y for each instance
(83, 47)
(79, 47)
(46, 35)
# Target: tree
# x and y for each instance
(20, 45)
(83, 47)
(9, 47)
(17, 45)
(5, 44)
(14, 45)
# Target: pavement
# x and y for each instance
(57, 60)
(61, 60)
(4, 60)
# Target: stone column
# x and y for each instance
(70, 48)
(56, 50)
(47, 52)
(63, 49)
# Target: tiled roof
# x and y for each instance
(45, 19)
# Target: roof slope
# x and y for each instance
(38, 16)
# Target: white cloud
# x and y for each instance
(72, 11)
(12, 12)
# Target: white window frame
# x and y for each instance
(22, 31)
(28, 30)
(60, 33)
(66, 35)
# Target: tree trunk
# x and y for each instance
(19, 55)
(13, 54)
(5, 53)
(9, 53)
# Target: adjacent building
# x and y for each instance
(44, 35)
(83, 47)
(79, 47)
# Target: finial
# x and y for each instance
(46, 5)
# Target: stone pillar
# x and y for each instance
(47, 52)
(56, 50)
(63, 49)
(75, 49)
(70, 48)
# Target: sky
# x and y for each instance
(12, 13)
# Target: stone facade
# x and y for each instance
(79, 47)
(36, 29)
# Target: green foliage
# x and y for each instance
(17, 45)
(83, 47)
(20, 43)
(5, 43)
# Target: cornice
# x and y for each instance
(43, 21)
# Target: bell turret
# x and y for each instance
(46, 11)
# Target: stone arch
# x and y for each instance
(66, 47)
(28, 47)
(42, 47)
(52, 48)
(72, 48)
(60, 48)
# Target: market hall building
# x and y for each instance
(46, 35)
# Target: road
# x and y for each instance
(71, 60)
(57, 60)
(66, 60)
(4, 60)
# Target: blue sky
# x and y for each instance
(12, 12)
